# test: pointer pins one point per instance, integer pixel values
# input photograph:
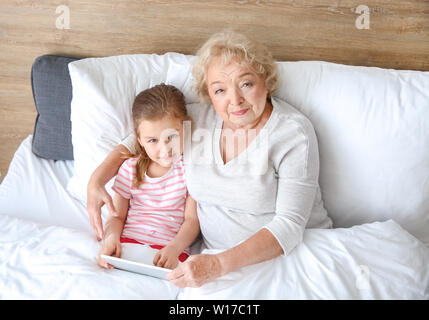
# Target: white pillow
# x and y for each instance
(372, 126)
(103, 93)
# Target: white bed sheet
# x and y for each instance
(47, 247)
(48, 251)
(35, 189)
(377, 260)
(52, 262)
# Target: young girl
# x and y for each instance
(151, 200)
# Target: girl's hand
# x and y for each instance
(167, 257)
(110, 247)
(196, 271)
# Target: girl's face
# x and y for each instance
(238, 94)
(161, 139)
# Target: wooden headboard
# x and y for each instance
(387, 34)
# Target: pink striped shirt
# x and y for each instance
(157, 206)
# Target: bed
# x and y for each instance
(374, 179)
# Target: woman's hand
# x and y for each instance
(202, 268)
(196, 271)
(167, 257)
(97, 197)
(111, 246)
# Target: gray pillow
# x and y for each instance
(52, 92)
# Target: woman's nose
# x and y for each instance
(235, 97)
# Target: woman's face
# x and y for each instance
(238, 94)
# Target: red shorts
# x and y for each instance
(183, 256)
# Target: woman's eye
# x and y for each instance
(218, 91)
(247, 84)
(152, 140)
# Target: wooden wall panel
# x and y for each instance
(398, 37)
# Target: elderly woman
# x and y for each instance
(256, 183)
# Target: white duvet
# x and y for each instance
(51, 262)
(372, 261)
(47, 251)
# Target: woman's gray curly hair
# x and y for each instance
(229, 45)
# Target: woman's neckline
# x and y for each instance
(218, 133)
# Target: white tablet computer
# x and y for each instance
(137, 267)
(137, 258)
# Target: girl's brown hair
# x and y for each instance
(154, 104)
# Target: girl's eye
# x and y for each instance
(171, 136)
(218, 91)
(152, 141)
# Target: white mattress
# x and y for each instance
(48, 251)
